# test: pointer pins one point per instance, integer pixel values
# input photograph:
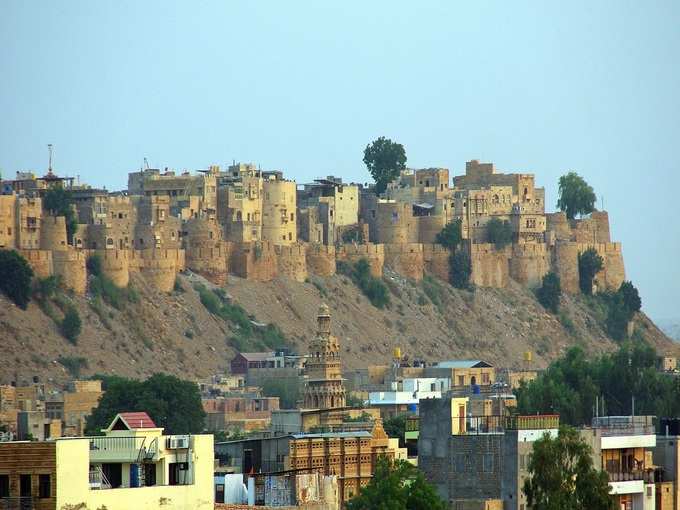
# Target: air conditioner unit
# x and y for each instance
(177, 442)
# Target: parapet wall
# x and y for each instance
(321, 259)
(210, 261)
(436, 260)
(53, 233)
(529, 262)
(374, 253)
(405, 259)
(70, 266)
(40, 261)
(159, 267)
(115, 265)
(254, 261)
(489, 265)
(292, 261)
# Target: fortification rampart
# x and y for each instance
(70, 266)
(374, 253)
(321, 259)
(489, 265)
(158, 266)
(254, 261)
(529, 262)
(291, 261)
(405, 259)
(115, 265)
(40, 261)
(436, 260)
(53, 233)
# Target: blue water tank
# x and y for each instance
(413, 408)
(475, 389)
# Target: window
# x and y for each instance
(487, 462)
(485, 378)
(44, 486)
(461, 380)
(25, 486)
(4, 486)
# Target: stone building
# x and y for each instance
(324, 388)
(349, 455)
(279, 209)
(472, 460)
(331, 205)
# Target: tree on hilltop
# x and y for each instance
(451, 235)
(385, 160)
(499, 232)
(576, 196)
(589, 264)
(561, 475)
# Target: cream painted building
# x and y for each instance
(279, 224)
(133, 466)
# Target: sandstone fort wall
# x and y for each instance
(489, 266)
(292, 261)
(436, 260)
(321, 259)
(529, 262)
(405, 259)
(374, 253)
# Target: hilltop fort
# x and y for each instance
(259, 225)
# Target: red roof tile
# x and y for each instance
(139, 420)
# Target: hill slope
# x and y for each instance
(175, 333)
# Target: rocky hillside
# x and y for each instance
(152, 331)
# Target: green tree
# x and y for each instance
(94, 265)
(631, 297)
(59, 202)
(396, 485)
(589, 264)
(71, 325)
(286, 388)
(575, 195)
(499, 232)
(460, 269)
(451, 235)
(15, 277)
(172, 403)
(385, 160)
(549, 292)
(618, 317)
(561, 475)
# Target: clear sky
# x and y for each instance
(542, 87)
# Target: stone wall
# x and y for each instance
(70, 266)
(529, 262)
(558, 223)
(53, 233)
(565, 264)
(292, 261)
(489, 266)
(436, 260)
(159, 267)
(115, 265)
(405, 259)
(254, 261)
(321, 259)
(374, 253)
(206, 253)
(40, 261)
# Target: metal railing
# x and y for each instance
(116, 444)
(496, 424)
(629, 476)
(624, 425)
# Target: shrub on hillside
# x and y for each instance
(373, 288)
(71, 325)
(15, 277)
(460, 269)
(549, 292)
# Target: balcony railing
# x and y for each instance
(497, 424)
(624, 425)
(630, 476)
(117, 444)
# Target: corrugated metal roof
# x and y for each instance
(358, 433)
(463, 363)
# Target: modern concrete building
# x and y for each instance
(623, 445)
(133, 465)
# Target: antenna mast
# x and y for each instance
(49, 165)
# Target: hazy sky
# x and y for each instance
(542, 87)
